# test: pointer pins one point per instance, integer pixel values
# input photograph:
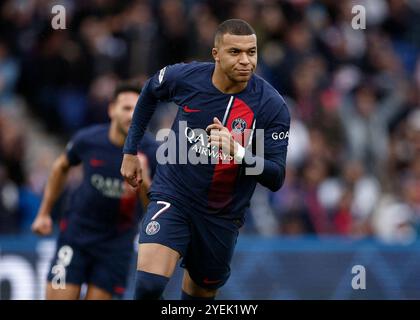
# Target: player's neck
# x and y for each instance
(224, 84)
(115, 136)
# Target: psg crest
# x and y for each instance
(152, 228)
(238, 125)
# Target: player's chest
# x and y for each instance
(198, 110)
(103, 161)
(102, 172)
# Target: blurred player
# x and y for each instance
(196, 210)
(95, 244)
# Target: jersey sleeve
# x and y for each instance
(161, 87)
(275, 138)
(149, 146)
(74, 149)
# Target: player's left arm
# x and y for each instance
(275, 139)
(160, 87)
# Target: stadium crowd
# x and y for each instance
(354, 95)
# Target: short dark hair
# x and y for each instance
(126, 86)
(236, 27)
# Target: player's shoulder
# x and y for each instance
(186, 69)
(185, 75)
(197, 66)
(268, 93)
(92, 132)
(271, 100)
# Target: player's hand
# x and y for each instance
(221, 137)
(131, 170)
(42, 225)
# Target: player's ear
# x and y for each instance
(215, 54)
(111, 109)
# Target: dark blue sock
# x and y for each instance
(149, 286)
(186, 296)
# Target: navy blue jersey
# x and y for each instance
(224, 188)
(103, 207)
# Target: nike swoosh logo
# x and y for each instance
(207, 281)
(96, 162)
(186, 109)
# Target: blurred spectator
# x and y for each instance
(392, 221)
(365, 118)
(12, 146)
(9, 196)
(9, 71)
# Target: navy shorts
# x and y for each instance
(205, 242)
(91, 264)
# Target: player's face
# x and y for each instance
(237, 56)
(122, 109)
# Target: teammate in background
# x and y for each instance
(196, 210)
(95, 243)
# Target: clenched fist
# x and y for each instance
(42, 225)
(131, 170)
(221, 137)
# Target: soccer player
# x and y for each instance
(196, 210)
(95, 243)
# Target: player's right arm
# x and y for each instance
(56, 181)
(42, 224)
(160, 87)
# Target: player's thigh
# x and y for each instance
(69, 292)
(193, 289)
(96, 293)
(211, 250)
(164, 238)
(109, 270)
